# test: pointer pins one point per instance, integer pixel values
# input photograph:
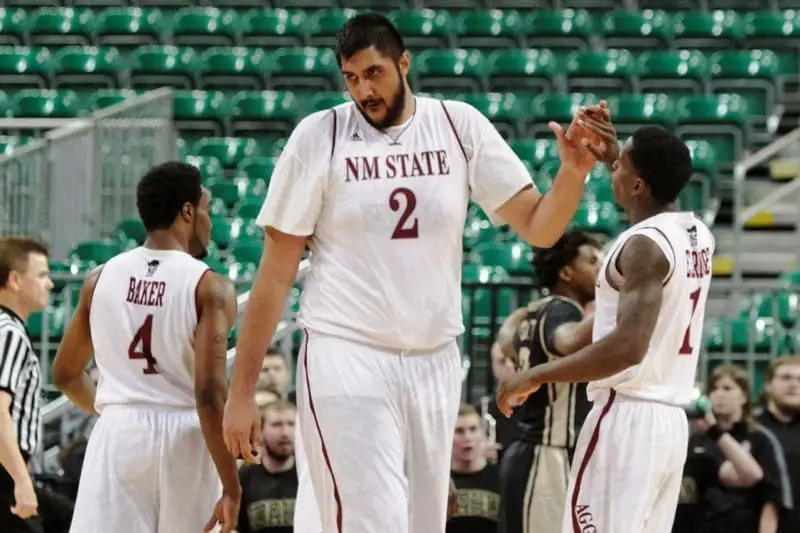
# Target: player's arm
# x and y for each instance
(504, 342)
(10, 456)
(216, 303)
(644, 266)
(567, 330)
(76, 350)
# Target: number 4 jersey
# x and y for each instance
(667, 372)
(385, 213)
(143, 317)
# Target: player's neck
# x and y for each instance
(783, 415)
(645, 210)
(276, 466)
(469, 467)
(164, 240)
(10, 301)
(727, 422)
(409, 108)
(568, 292)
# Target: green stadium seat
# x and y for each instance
(209, 166)
(202, 27)
(264, 113)
(423, 28)
(503, 109)
(156, 66)
(32, 103)
(224, 189)
(537, 152)
(325, 26)
(95, 252)
(719, 120)
(791, 279)
(752, 74)
(9, 143)
(256, 168)
(777, 31)
(47, 324)
(602, 72)
(715, 30)
(251, 187)
(673, 72)
(241, 271)
(128, 27)
(307, 69)
(200, 113)
(234, 69)
(60, 26)
(274, 28)
(632, 111)
(450, 70)
(480, 300)
(216, 264)
(700, 192)
(529, 70)
(23, 67)
(784, 306)
(514, 257)
(636, 30)
(597, 217)
(562, 31)
(277, 146)
(321, 101)
(740, 334)
(478, 230)
(247, 251)
(228, 150)
(109, 97)
(218, 208)
(87, 67)
(131, 229)
(488, 29)
(248, 208)
(12, 26)
(304, 4)
(598, 188)
(559, 107)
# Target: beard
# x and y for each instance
(395, 107)
(278, 453)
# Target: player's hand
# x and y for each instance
(452, 496)
(241, 428)
(226, 513)
(597, 121)
(515, 390)
(575, 157)
(26, 505)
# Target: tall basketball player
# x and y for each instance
(650, 305)
(157, 322)
(378, 188)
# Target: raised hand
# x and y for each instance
(596, 121)
(574, 155)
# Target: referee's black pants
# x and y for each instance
(9, 522)
(533, 488)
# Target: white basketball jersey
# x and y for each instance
(143, 317)
(667, 372)
(385, 213)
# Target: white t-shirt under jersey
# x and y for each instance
(143, 317)
(386, 218)
(667, 372)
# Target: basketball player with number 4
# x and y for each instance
(650, 304)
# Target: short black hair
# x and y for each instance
(369, 29)
(662, 160)
(548, 262)
(163, 191)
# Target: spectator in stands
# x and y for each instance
(782, 418)
(275, 374)
(269, 489)
(477, 507)
(741, 498)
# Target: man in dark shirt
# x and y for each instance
(269, 489)
(535, 468)
(782, 420)
(477, 493)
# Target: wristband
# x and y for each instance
(715, 432)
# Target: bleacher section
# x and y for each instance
(716, 72)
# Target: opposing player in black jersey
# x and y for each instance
(534, 472)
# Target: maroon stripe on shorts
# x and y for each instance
(336, 496)
(576, 527)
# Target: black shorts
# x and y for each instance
(533, 488)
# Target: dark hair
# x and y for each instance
(738, 375)
(369, 29)
(548, 262)
(163, 191)
(662, 160)
(14, 253)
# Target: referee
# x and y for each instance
(24, 287)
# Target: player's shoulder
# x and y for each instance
(214, 288)
(460, 113)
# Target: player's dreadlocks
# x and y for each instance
(548, 262)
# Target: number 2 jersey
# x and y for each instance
(385, 213)
(667, 372)
(143, 317)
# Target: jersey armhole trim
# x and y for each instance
(671, 249)
(455, 132)
(197, 288)
(333, 133)
(612, 263)
(94, 289)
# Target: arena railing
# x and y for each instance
(78, 180)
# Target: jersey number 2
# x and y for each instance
(140, 346)
(686, 348)
(404, 230)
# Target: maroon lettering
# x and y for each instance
(147, 293)
(441, 159)
(391, 169)
(131, 289)
(698, 264)
(413, 165)
(585, 519)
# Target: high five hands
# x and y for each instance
(590, 137)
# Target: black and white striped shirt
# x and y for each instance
(21, 377)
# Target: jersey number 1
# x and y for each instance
(404, 230)
(686, 348)
(140, 346)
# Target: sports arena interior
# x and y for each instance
(94, 92)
